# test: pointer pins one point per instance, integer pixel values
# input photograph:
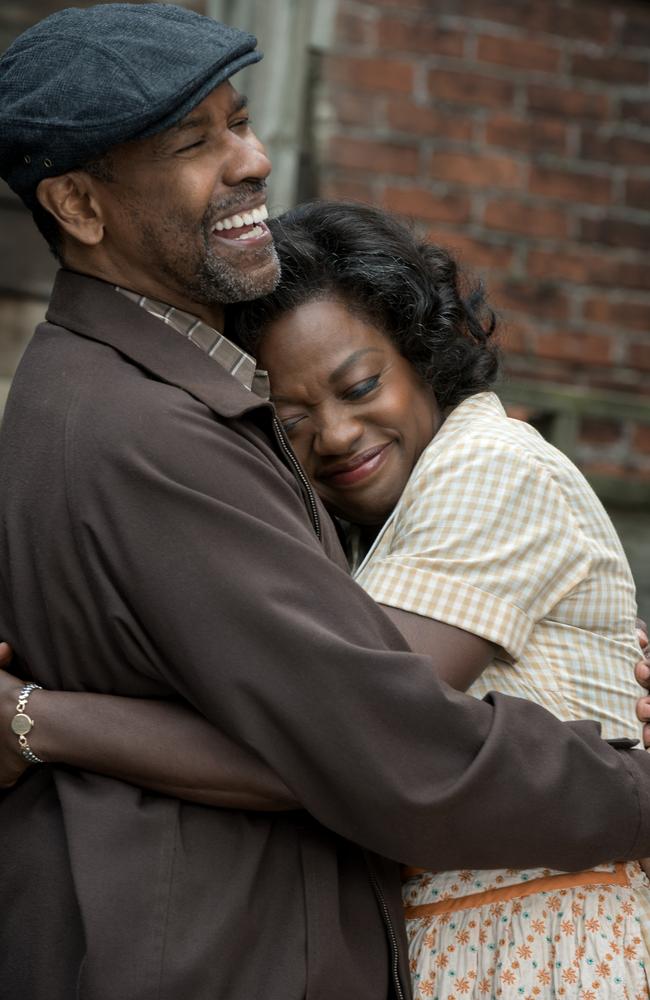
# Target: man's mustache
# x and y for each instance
(228, 206)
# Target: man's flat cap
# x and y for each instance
(81, 81)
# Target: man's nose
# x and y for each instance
(247, 160)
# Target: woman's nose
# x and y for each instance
(337, 433)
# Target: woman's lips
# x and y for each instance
(356, 470)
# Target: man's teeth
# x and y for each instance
(252, 234)
(245, 219)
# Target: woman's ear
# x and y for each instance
(71, 200)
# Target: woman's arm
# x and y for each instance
(167, 748)
(157, 745)
(461, 656)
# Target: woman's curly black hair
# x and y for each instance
(409, 289)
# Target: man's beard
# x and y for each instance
(218, 281)
(197, 270)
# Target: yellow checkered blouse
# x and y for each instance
(498, 533)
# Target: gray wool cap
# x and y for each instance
(83, 80)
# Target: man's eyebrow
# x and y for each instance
(192, 121)
(239, 103)
(197, 120)
(349, 361)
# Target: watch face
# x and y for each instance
(21, 724)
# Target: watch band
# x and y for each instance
(22, 724)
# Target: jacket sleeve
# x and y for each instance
(204, 558)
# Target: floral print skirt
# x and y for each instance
(528, 935)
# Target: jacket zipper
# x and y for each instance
(287, 451)
(390, 932)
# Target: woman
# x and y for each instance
(381, 372)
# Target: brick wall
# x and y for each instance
(519, 134)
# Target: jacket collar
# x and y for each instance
(93, 309)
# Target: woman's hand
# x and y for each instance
(642, 674)
(12, 764)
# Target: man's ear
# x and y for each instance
(71, 200)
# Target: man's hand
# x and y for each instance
(12, 764)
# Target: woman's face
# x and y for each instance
(356, 412)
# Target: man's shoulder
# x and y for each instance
(62, 371)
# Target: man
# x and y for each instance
(160, 540)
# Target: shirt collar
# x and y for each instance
(236, 362)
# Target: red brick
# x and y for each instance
(616, 233)
(575, 22)
(599, 431)
(545, 18)
(404, 116)
(614, 469)
(589, 269)
(610, 69)
(474, 253)
(420, 35)
(513, 339)
(353, 108)
(354, 30)
(346, 189)
(401, 5)
(529, 136)
(641, 439)
(571, 186)
(621, 150)
(470, 88)
(511, 215)
(639, 356)
(543, 299)
(377, 157)
(378, 75)
(638, 111)
(477, 170)
(520, 53)
(418, 203)
(584, 347)
(567, 102)
(637, 193)
(634, 315)
(636, 27)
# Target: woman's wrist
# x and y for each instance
(22, 723)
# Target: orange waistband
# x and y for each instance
(567, 880)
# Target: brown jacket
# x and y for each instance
(154, 543)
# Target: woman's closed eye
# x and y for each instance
(362, 389)
(290, 423)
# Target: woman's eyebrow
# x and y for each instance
(350, 360)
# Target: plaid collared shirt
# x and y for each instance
(498, 534)
(237, 362)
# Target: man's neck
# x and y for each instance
(212, 315)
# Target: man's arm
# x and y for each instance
(233, 603)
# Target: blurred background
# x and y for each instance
(515, 133)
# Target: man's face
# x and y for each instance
(184, 213)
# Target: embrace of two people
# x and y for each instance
(224, 751)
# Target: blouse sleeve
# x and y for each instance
(483, 539)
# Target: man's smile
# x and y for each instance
(244, 226)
